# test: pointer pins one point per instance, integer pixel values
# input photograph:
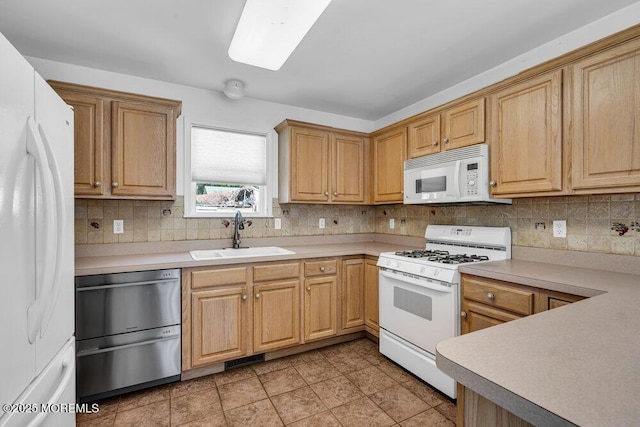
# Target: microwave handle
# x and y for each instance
(456, 179)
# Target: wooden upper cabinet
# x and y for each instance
(526, 137)
(606, 120)
(348, 169)
(454, 127)
(143, 150)
(389, 154)
(423, 136)
(319, 164)
(89, 143)
(125, 144)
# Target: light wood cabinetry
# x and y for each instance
(606, 120)
(371, 300)
(276, 310)
(526, 137)
(125, 144)
(216, 323)
(322, 165)
(490, 302)
(454, 127)
(320, 299)
(352, 294)
(389, 153)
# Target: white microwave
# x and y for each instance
(455, 176)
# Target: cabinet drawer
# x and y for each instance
(498, 294)
(263, 273)
(319, 268)
(219, 276)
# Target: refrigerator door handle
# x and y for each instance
(68, 370)
(60, 231)
(36, 311)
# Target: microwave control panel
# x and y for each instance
(471, 182)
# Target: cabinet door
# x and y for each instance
(143, 150)
(219, 319)
(309, 165)
(606, 119)
(463, 125)
(352, 295)
(320, 307)
(371, 296)
(526, 136)
(477, 316)
(423, 136)
(348, 169)
(88, 143)
(389, 154)
(276, 315)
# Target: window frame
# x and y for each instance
(266, 191)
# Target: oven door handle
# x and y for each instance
(425, 283)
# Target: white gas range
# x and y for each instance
(420, 295)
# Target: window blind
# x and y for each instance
(228, 157)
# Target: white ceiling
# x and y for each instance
(363, 58)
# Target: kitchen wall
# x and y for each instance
(154, 221)
(590, 221)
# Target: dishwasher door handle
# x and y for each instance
(124, 285)
(82, 353)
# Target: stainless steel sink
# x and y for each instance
(205, 254)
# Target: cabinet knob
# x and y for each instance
(322, 268)
(97, 184)
(490, 295)
(257, 296)
(244, 297)
(309, 288)
(326, 193)
(493, 183)
(435, 143)
(446, 140)
(335, 193)
(463, 314)
(114, 184)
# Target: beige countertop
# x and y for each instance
(119, 263)
(577, 364)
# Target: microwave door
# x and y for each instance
(430, 185)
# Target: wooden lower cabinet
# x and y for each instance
(486, 303)
(371, 300)
(320, 302)
(219, 319)
(276, 315)
(352, 294)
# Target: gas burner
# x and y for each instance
(422, 253)
(459, 259)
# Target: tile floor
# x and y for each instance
(348, 384)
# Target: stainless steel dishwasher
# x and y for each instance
(127, 332)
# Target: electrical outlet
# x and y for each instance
(392, 223)
(118, 226)
(277, 223)
(321, 223)
(559, 228)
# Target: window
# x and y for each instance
(226, 171)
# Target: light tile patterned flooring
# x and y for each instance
(348, 384)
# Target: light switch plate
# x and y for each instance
(321, 223)
(392, 223)
(277, 223)
(118, 226)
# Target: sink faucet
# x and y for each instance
(239, 225)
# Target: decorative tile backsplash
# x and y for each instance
(602, 223)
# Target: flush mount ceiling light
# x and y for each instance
(234, 89)
(270, 30)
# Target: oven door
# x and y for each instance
(419, 310)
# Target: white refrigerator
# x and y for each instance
(37, 362)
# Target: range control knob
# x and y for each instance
(397, 264)
(423, 270)
(436, 271)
